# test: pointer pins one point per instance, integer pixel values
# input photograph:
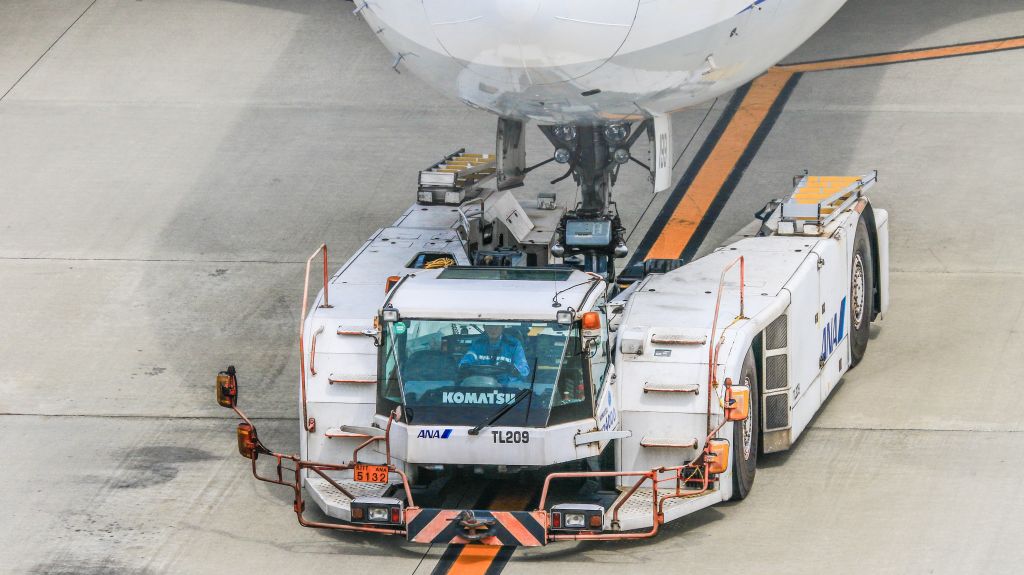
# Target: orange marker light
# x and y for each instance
(227, 388)
(390, 283)
(718, 456)
(247, 441)
(737, 402)
(591, 320)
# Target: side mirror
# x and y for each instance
(227, 388)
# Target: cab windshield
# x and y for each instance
(463, 372)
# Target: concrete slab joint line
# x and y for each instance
(47, 51)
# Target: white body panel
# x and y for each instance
(805, 279)
(496, 445)
(537, 58)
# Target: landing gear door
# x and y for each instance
(660, 134)
(511, 152)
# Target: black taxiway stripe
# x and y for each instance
(691, 172)
(500, 560)
(444, 565)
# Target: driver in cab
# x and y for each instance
(498, 349)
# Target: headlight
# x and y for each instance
(616, 133)
(575, 520)
(376, 510)
(565, 132)
(389, 315)
(576, 517)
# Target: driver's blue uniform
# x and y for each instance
(506, 349)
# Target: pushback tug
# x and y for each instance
(480, 334)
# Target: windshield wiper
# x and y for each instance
(508, 407)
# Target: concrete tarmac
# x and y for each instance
(166, 168)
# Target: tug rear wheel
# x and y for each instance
(745, 434)
(862, 282)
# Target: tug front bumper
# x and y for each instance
(637, 513)
(367, 498)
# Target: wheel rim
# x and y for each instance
(858, 290)
(748, 426)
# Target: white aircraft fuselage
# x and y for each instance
(591, 61)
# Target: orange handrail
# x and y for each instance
(308, 423)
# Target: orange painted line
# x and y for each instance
(719, 165)
(909, 56)
(474, 560)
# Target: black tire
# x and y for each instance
(862, 293)
(746, 434)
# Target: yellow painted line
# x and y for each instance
(910, 56)
(719, 165)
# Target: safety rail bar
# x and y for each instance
(308, 423)
(712, 347)
(320, 468)
(657, 517)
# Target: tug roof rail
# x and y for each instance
(817, 200)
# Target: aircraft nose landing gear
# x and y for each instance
(592, 232)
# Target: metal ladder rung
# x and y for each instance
(669, 388)
(668, 442)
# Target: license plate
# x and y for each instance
(370, 473)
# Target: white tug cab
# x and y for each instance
(466, 338)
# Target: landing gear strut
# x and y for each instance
(594, 154)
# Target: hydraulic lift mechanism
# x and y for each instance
(483, 335)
